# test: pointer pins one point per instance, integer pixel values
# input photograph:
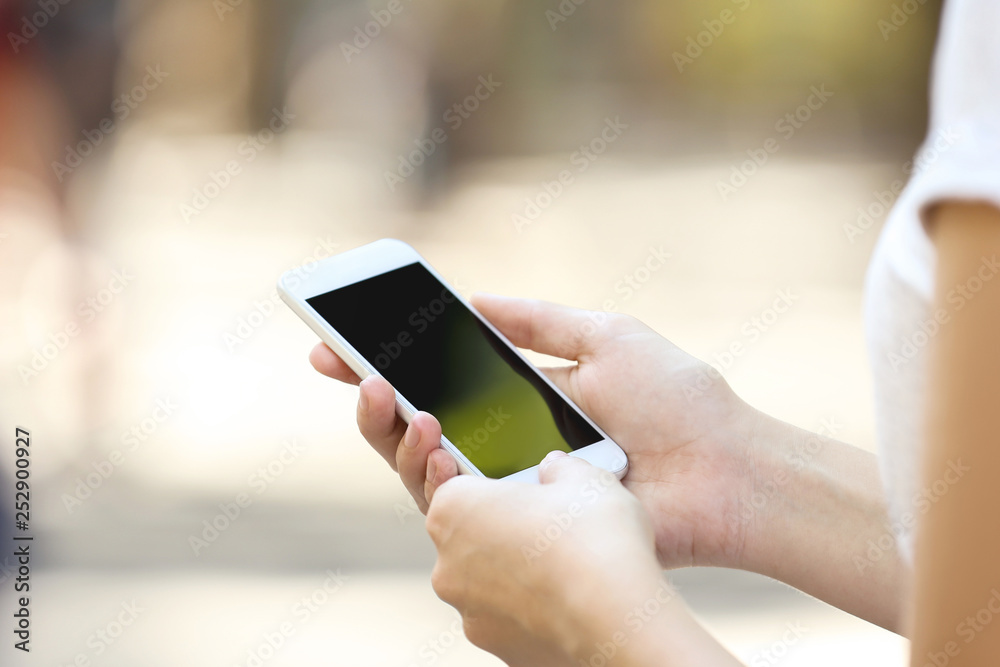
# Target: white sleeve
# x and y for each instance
(960, 157)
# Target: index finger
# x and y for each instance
(324, 360)
(559, 331)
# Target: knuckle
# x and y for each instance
(449, 511)
(406, 463)
(435, 522)
(529, 324)
(446, 494)
(620, 323)
(474, 631)
(365, 423)
(442, 584)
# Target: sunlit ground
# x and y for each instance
(197, 327)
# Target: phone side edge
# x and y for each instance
(302, 310)
(330, 336)
(619, 471)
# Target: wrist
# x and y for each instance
(606, 610)
(630, 629)
(816, 506)
(746, 461)
(639, 621)
(658, 630)
(779, 451)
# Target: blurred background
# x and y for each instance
(201, 496)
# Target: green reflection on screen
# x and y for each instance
(491, 404)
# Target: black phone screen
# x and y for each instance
(492, 404)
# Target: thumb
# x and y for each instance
(559, 466)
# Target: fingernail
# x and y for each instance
(552, 456)
(411, 437)
(363, 400)
(432, 469)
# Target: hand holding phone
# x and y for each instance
(384, 311)
(696, 451)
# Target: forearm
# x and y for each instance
(677, 639)
(958, 543)
(818, 521)
(650, 626)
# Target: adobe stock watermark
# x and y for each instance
(259, 482)
(898, 17)
(562, 12)
(750, 331)
(580, 161)
(633, 623)
(225, 7)
(88, 310)
(247, 325)
(365, 34)
(629, 285)
(248, 150)
(801, 456)
(453, 118)
(301, 612)
(434, 648)
(420, 321)
(967, 631)
(33, 23)
(405, 510)
(902, 527)
(562, 522)
(634, 280)
(786, 127)
(779, 648)
(883, 200)
(469, 444)
(131, 440)
(104, 637)
(697, 44)
(957, 298)
(472, 442)
(122, 107)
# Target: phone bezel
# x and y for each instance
(382, 256)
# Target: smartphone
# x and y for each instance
(385, 311)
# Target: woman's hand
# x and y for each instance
(685, 432)
(724, 484)
(560, 573)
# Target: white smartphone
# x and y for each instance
(384, 311)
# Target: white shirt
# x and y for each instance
(960, 159)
